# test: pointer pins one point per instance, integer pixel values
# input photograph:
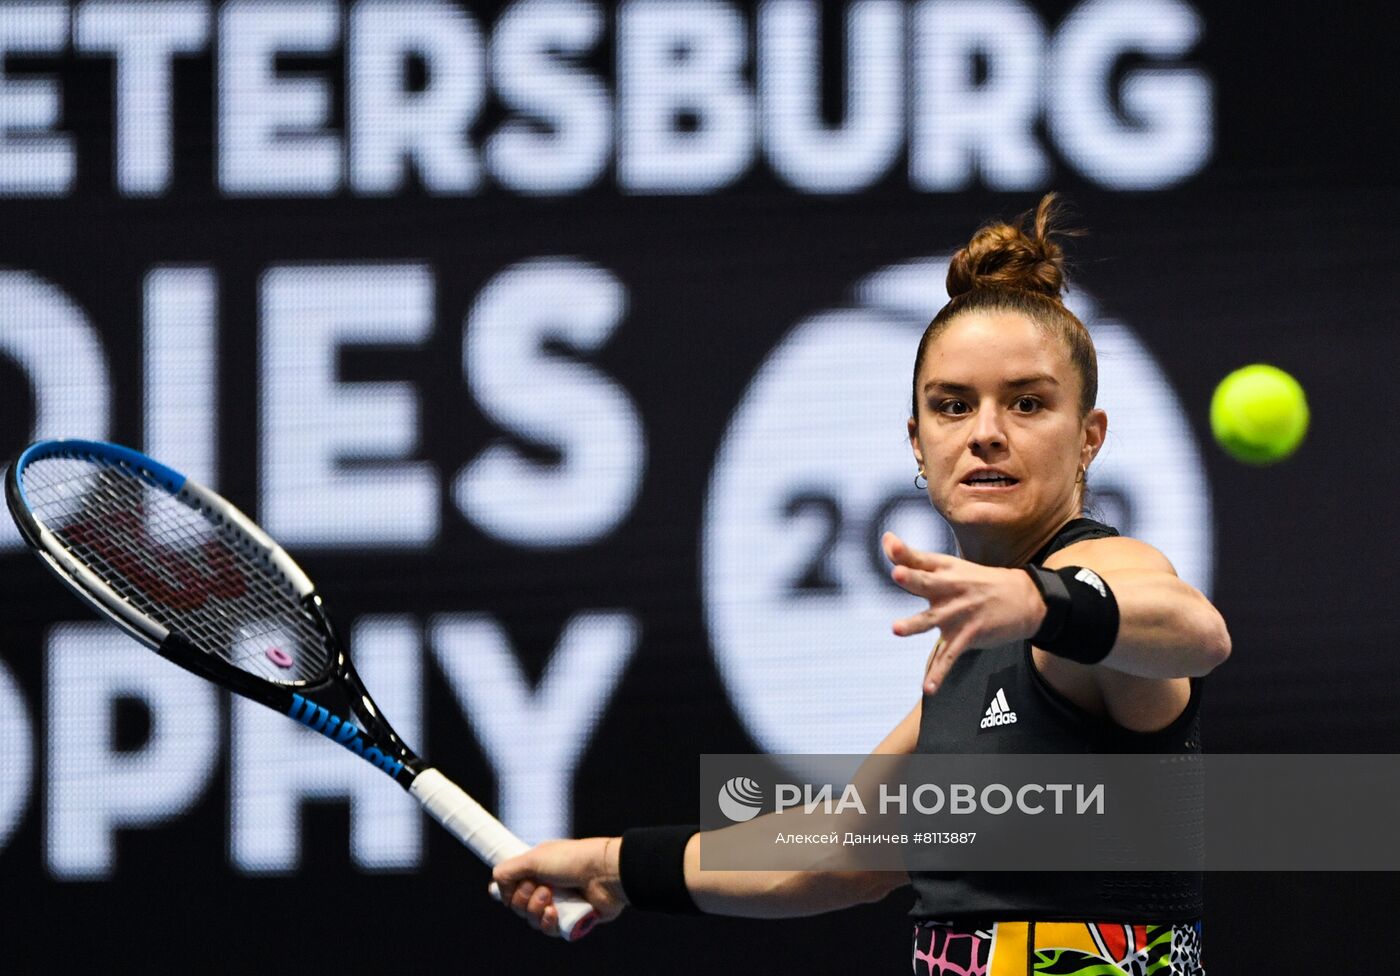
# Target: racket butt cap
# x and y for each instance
(583, 926)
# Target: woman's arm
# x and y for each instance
(1167, 630)
(787, 894)
(591, 866)
(1166, 627)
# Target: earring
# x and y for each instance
(1079, 478)
(920, 477)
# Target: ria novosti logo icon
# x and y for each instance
(740, 799)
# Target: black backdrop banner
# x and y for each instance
(567, 346)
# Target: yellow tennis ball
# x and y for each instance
(1259, 414)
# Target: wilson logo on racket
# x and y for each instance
(344, 733)
(181, 584)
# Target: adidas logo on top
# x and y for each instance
(998, 712)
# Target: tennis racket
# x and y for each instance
(184, 572)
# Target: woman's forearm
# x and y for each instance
(825, 881)
(782, 894)
(828, 885)
(1166, 627)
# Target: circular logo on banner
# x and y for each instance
(816, 465)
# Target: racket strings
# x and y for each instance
(180, 563)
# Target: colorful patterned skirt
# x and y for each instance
(1057, 949)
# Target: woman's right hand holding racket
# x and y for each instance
(588, 866)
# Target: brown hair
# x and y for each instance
(1009, 268)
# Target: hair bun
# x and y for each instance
(1002, 255)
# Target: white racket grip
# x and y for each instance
(492, 841)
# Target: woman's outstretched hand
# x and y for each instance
(969, 603)
(587, 866)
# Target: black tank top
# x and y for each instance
(1047, 722)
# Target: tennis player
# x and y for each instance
(1097, 645)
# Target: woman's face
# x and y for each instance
(995, 391)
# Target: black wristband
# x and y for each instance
(1081, 613)
(651, 867)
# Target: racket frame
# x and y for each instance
(336, 693)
